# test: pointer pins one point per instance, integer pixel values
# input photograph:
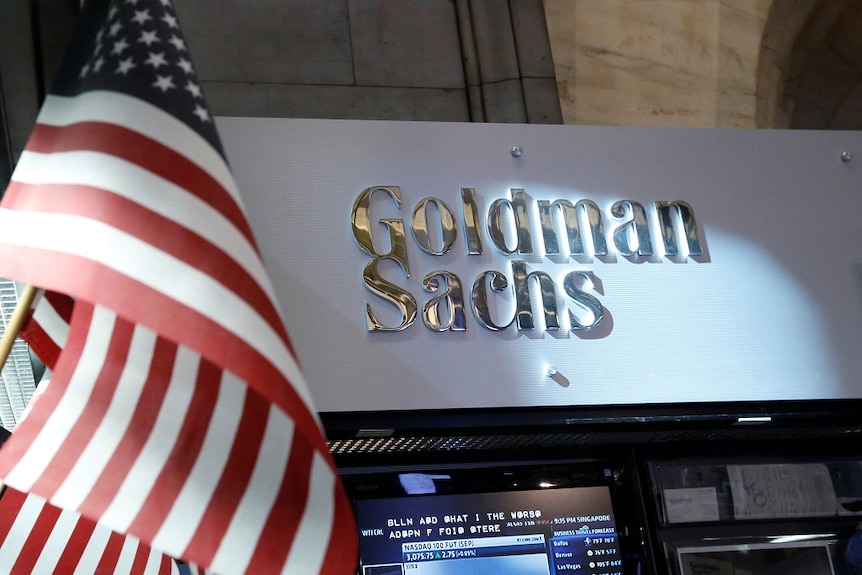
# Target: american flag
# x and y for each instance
(36, 537)
(177, 412)
(47, 326)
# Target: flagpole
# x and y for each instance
(16, 322)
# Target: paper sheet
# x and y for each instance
(691, 505)
(781, 490)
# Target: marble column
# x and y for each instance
(690, 63)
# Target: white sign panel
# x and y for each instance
(558, 265)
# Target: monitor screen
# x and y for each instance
(544, 531)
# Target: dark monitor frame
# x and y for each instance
(617, 475)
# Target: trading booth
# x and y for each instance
(574, 349)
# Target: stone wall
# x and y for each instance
(690, 63)
(687, 63)
(442, 60)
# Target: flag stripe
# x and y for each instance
(111, 553)
(237, 475)
(56, 543)
(130, 181)
(144, 118)
(111, 174)
(143, 563)
(167, 566)
(281, 525)
(126, 558)
(11, 502)
(76, 544)
(250, 518)
(307, 553)
(164, 234)
(48, 327)
(158, 497)
(15, 540)
(37, 337)
(277, 423)
(341, 548)
(197, 331)
(139, 430)
(145, 190)
(122, 398)
(117, 259)
(92, 555)
(143, 472)
(44, 447)
(36, 540)
(81, 435)
(39, 538)
(61, 306)
(217, 407)
(151, 155)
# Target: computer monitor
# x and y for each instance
(478, 522)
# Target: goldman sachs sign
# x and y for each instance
(632, 238)
(437, 266)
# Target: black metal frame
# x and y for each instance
(368, 446)
(784, 414)
(363, 439)
(5, 143)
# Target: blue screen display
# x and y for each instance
(537, 532)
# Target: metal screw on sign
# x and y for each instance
(517, 151)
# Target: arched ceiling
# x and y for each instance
(822, 82)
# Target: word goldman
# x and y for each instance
(508, 222)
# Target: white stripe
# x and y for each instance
(194, 497)
(127, 556)
(57, 541)
(51, 322)
(257, 502)
(20, 532)
(93, 552)
(154, 562)
(312, 539)
(142, 117)
(149, 464)
(130, 181)
(45, 445)
(140, 261)
(113, 425)
(40, 390)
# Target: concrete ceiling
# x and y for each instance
(824, 83)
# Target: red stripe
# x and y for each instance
(75, 547)
(139, 565)
(144, 151)
(41, 343)
(27, 430)
(150, 227)
(183, 455)
(286, 514)
(166, 566)
(85, 426)
(139, 429)
(10, 506)
(111, 555)
(171, 319)
(234, 481)
(36, 540)
(62, 304)
(342, 552)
